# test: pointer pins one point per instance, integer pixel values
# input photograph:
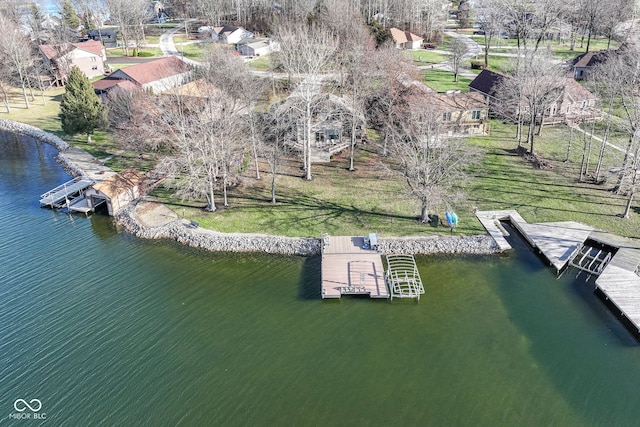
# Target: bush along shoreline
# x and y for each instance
(181, 231)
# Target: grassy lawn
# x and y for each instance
(371, 199)
(152, 39)
(261, 63)
(43, 116)
(181, 38)
(507, 182)
(501, 64)
(424, 57)
(192, 51)
(336, 201)
(154, 51)
(442, 81)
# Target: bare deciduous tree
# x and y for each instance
(431, 164)
(225, 70)
(530, 92)
(458, 51)
(306, 52)
(15, 55)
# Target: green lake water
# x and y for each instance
(107, 329)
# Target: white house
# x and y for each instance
(230, 34)
(254, 47)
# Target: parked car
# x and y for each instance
(430, 46)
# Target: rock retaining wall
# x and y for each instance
(438, 245)
(182, 232)
(39, 134)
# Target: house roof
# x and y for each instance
(120, 183)
(487, 82)
(225, 29)
(457, 101)
(108, 83)
(103, 32)
(590, 59)
(400, 36)
(574, 91)
(53, 52)
(93, 46)
(158, 69)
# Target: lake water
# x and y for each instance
(107, 329)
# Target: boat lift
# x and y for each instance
(402, 277)
(591, 259)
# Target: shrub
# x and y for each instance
(477, 65)
(145, 54)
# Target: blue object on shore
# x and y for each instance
(452, 219)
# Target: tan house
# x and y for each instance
(574, 103)
(405, 39)
(88, 56)
(461, 113)
(116, 192)
(156, 76)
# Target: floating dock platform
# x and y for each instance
(350, 269)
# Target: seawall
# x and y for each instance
(180, 230)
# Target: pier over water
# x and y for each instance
(571, 244)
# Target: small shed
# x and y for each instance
(116, 192)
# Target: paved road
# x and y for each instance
(473, 50)
(168, 47)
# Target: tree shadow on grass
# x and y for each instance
(310, 208)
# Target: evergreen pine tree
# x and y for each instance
(36, 19)
(69, 16)
(81, 111)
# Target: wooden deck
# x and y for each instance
(619, 281)
(559, 241)
(348, 269)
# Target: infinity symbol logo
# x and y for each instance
(21, 405)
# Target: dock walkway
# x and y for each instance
(348, 269)
(559, 242)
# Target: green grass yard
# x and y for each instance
(424, 57)
(442, 81)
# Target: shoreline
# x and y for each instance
(141, 219)
(157, 221)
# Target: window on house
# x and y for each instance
(95, 67)
(446, 116)
(476, 115)
(93, 59)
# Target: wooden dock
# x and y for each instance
(557, 241)
(619, 281)
(349, 269)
